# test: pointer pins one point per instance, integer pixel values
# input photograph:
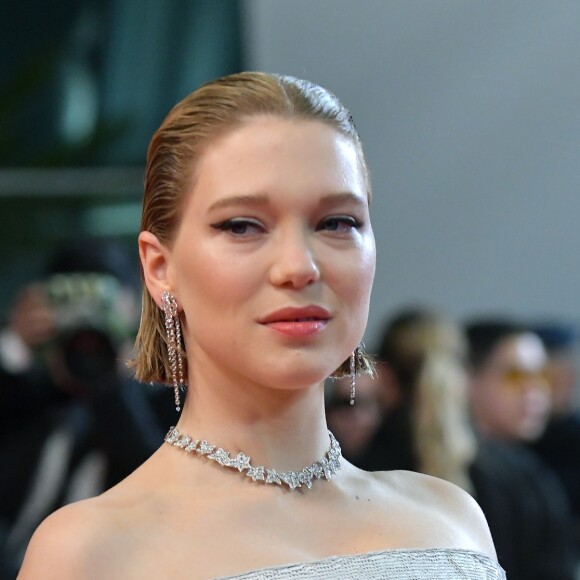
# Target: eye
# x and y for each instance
(339, 223)
(240, 227)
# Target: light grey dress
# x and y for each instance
(406, 564)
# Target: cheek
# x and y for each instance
(212, 277)
(202, 292)
(508, 402)
(541, 399)
(351, 284)
(490, 395)
(352, 288)
(368, 259)
(354, 275)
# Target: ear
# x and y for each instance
(154, 259)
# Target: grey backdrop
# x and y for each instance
(470, 114)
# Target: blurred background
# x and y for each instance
(83, 85)
(470, 117)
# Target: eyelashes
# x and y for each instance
(247, 227)
(341, 223)
(240, 227)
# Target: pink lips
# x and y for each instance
(297, 321)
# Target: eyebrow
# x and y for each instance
(343, 196)
(240, 199)
(261, 199)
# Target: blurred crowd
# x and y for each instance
(490, 405)
(73, 422)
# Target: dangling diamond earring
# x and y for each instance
(353, 376)
(356, 360)
(173, 329)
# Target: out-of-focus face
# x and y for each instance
(510, 396)
(274, 257)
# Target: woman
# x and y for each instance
(258, 259)
(426, 427)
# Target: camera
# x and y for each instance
(93, 316)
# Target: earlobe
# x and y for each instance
(154, 260)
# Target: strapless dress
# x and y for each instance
(403, 564)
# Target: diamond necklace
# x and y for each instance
(325, 468)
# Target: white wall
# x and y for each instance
(470, 113)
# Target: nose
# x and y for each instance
(294, 264)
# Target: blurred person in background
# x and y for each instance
(84, 297)
(72, 422)
(559, 445)
(423, 384)
(510, 394)
(511, 403)
(423, 393)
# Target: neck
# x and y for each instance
(283, 429)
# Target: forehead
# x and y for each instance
(267, 154)
(521, 350)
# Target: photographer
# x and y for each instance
(72, 422)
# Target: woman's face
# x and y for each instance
(274, 257)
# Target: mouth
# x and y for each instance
(293, 314)
(298, 322)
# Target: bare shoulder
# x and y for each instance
(103, 537)
(444, 505)
(72, 542)
(71, 526)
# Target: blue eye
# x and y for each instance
(240, 227)
(341, 224)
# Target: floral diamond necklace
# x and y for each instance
(323, 469)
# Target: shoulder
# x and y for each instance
(71, 542)
(91, 538)
(453, 513)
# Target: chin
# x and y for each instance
(298, 377)
(530, 434)
(301, 368)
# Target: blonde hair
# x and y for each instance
(431, 349)
(212, 110)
